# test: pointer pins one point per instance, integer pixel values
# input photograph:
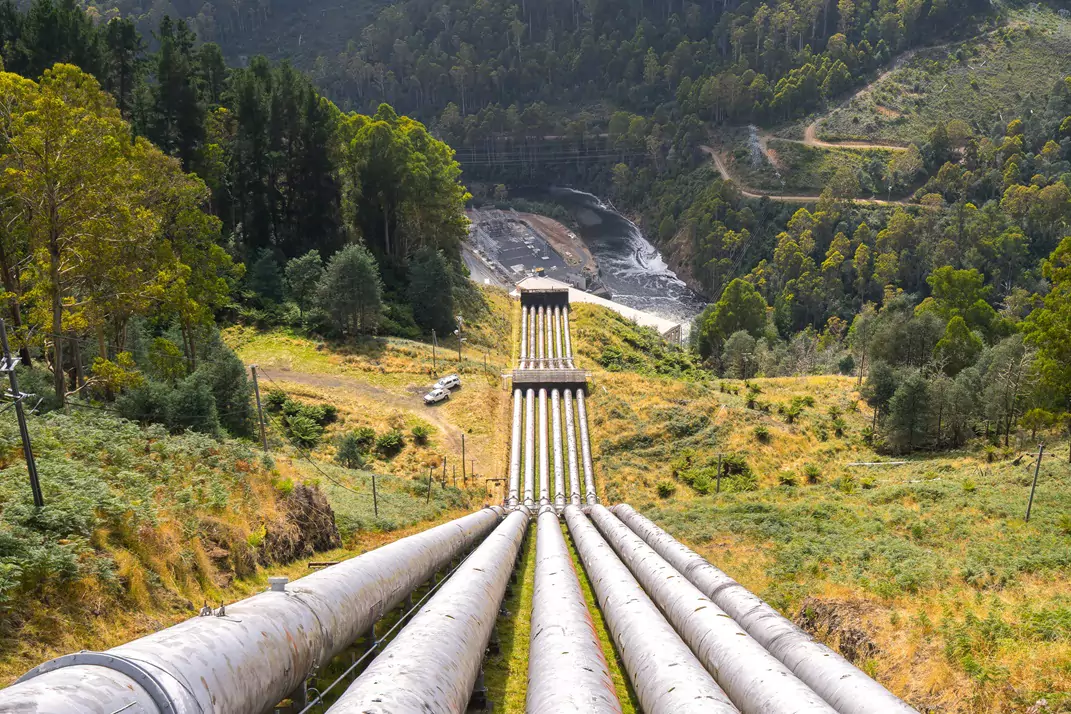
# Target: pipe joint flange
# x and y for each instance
(136, 671)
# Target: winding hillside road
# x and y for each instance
(719, 163)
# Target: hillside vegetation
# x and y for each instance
(983, 81)
(923, 573)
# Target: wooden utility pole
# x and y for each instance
(1034, 486)
(260, 409)
(444, 472)
(375, 496)
(462, 459)
(24, 431)
(428, 499)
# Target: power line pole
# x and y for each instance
(460, 336)
(260, 409)
(428, 499)
(375, 496)
(1037, 467)
(31, 465)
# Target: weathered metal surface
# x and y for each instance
(544, 451)
(529, 447)
(556, 429)
(667, 677)
(541, 341)
(263, 648)
(433, 662)
(585, 449)
(845, 687)
(756, 682)
(570, 435)
(523, 356)
(515, 450)
(568, 342)
(567, 671)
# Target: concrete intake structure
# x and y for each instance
(840, 683)
(515, 451)
(567, 671)
(259, 651)
(756, 682)
(667, 677)
(432, 664)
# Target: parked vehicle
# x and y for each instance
(450, 381)
(436, 395)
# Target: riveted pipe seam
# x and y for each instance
(840, 683)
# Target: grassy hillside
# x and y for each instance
(986, 81)
(793, 168)
(924, 573)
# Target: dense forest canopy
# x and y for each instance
(146, 195)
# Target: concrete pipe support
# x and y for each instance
(756, 682)
(585, 449)
(567, 671)
(556, 428)
(666, 676)
(432, 664)
(258, 652)
(544, 451)
(845, 687)
(570, 436)
(529, 447)
(515, 450)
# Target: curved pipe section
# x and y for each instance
(432, 664)
(666, 676)
(585, 448)
(544, 451)
(253, 657)
(529, 446)
(515, 451)
(756, 682)
(567, 671)
(840, 683)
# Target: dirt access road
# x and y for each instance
(719, 163)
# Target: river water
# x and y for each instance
(630, 267)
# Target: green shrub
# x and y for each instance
(786, 478)
(1064, 524)
(812, 473)
(303, 430)
(350, 451)
(846, 484)
(762, 434)
(790, 411)
(365, 436)
(839, 426)
(390, 443)
(666, 489)
(420, 433)
(969, 486)
(275, 399)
